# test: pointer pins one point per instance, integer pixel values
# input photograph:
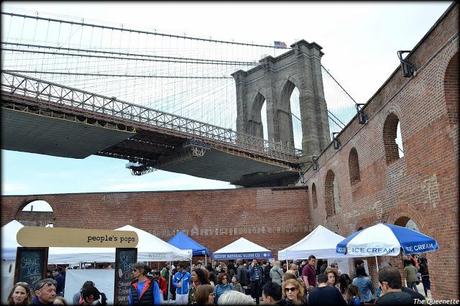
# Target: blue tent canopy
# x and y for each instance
(182, 241)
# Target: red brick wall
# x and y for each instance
(423, 184)
(271, 217)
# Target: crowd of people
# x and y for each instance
(244, 282)
(44, 292)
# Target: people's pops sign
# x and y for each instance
(31, 236)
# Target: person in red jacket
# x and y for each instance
(161, 283)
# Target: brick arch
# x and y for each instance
(406, 213)
(353, 166)
(402, 221)
(34, 218)
(331, 199)
(389, 138)
(314, 196)
(450, 84)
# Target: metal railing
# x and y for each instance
(48, 92)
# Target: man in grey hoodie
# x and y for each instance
(276, 273)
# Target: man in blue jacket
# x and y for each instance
(255, 277)
(181, 281)
(143, 290)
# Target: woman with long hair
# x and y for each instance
(364, 284)
(332, 277)
(204, 295)
(222, 285)
(20, 294)
(199, 277)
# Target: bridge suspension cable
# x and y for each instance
(124, 56)
(187, 75)
(142, 31)
(117, 75)
(164, 71)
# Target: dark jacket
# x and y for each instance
(327, 295)
(242, 275)
(36, 301)
(150, 294)
(256, 273)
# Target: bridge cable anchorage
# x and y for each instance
(122, 29)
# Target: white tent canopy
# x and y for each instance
(149, 248)
(321, 242)
(152, 248)
(9, 243)
(242, 249)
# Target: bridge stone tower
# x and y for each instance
(273, 82)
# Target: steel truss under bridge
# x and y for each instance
(48, 94)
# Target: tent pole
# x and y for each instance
(205, 260)
(169, 283)
(377, 265)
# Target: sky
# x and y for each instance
(359, 40)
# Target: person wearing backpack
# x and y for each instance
(143, 289)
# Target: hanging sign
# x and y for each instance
(32, 236)
(124, 263)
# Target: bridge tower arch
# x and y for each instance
(274, 79)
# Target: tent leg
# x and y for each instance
(205, 260)
(169, 284)
(377, 265)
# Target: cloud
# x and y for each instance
(13, 188)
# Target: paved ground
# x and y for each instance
(420, 290)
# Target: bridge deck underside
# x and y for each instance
(44, 131)
(223, 166)
(35, 133)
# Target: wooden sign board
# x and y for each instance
(124, 262)
(31, 264)
(32, 236)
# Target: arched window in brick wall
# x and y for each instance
(353, 166)
(331, 195)
(314, 197)
(392, 139)
(451, 89)
(36, 213)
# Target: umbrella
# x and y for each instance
(386, 239)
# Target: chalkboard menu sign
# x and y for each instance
(31, 264)
(125, 258)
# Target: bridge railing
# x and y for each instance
(44, 91)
